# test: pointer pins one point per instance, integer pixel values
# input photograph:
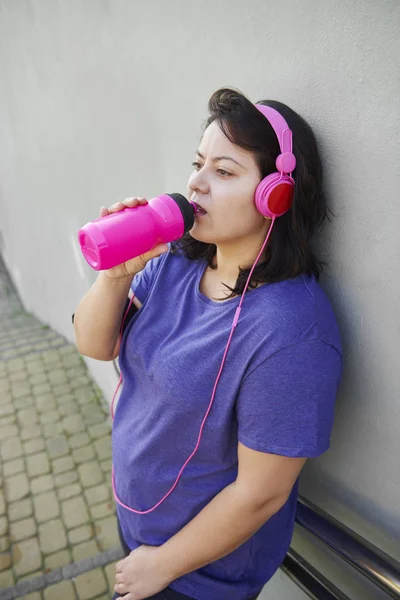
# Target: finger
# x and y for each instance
(119, 578)
(130, 202)
(116, 207)
(127, 597)
(120, 588)
(118, 566)
(103, 211)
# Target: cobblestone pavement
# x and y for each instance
(56, 506)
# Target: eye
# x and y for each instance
(196, 165)
(223, 172)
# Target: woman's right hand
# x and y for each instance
(131, 267)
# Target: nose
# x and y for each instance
(198, 182)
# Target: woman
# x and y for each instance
(219, 529)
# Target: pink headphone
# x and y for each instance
(274, 194)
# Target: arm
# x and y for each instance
(98, 317)
(262, 487)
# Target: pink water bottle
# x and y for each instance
(120, 236)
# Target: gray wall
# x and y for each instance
(100, 100)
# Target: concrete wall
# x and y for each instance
(104, 99)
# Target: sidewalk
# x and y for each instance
(58, 534)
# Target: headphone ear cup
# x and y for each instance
(274, 195)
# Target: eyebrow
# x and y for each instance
(217, 158)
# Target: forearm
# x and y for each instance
(229, 520)
(97, 319)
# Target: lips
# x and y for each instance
(200, 209)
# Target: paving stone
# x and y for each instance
(46, 506)
(57, 376)
(68, 408)
(20, 389)
(4, 543)
(68, 349)
(51, 416)
(5, 560)
(78, 382)
(80, 534)
(82, 455)
(90, 584)
(30, 432)
(93, 415)
(24, 402)
(71, 360)
(99, 511)
(103, 447)
(5, 398)
(64, 590)
(19, 530)
(96, 494)
(6, 410)
(2, 502)
(90, 474)
(4, 385)
(45, 402)
(42, 388)
(69, 491)
(15, 365)
(38, 464)
(17, 487)
(110, 571)
(106, 466)
(3, 525)
(50, 356)
(17, 376)
(74, 512)
(57, 560)
(78, 440)
(8, 420)
(73, 423)
(85, 550)
(26, 557)
(13, 467)
(61, 389)
(42, 484)
(11, 448)
(57, 446)
(34, 366)
(60, 465)
(37, 378)
(52, 536)
(107, 533)
(6, 579)
(33, 596)
(85, 394)
(64, 398)
(52, 430)
(20, 510)
(27, 416)
(65, 478)
(34, 446)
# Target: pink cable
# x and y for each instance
(234, 323)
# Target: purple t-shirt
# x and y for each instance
(276, 394)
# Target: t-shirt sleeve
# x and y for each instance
(286, 404)
(143, 281)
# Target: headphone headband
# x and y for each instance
(279, 125)
(283, 134)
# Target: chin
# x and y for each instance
(200, 237)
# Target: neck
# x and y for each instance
(229, 257)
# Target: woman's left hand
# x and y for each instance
(140, 574)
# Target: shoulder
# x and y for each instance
(293, 311)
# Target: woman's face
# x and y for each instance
(223, 184)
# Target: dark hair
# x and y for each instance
(288, 252)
